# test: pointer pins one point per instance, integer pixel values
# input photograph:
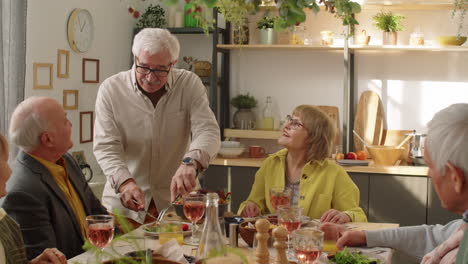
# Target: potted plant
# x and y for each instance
(266, 25)
(153, 17)
(389, 24)
(244, 118)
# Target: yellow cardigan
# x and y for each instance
(323, 185)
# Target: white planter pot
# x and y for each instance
(267, 36)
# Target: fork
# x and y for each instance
(147, 213)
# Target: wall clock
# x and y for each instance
(80, 30)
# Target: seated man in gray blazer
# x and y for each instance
(47, 193)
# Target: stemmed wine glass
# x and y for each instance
(100, 231)
(307, 244)
(290, 218)
(279, 197)
(194, 208)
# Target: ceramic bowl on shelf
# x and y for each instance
(451, 40)
(231, 152)
(230, 144)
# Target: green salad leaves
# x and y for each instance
(347, 257)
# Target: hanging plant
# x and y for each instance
(291, 12)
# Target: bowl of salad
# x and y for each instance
(224, 200)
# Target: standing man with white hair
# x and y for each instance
(446, 155)
(154, 130)
(48, 195)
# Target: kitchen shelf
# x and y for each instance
(351, 48)
(391, 7)
(193, 30)
(257, 134)
(278, 46)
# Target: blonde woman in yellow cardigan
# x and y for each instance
(318, 184)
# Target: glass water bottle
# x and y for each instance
(268, 120)
(212, 241)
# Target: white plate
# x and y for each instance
(185, 233)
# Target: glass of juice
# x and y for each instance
(290, 218)
(194, 208)
(307, 244)
(171, 230)
(100, 231)
(279, 196)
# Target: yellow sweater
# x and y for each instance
(323, 185)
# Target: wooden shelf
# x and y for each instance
(258, 134)
(352, 48)
(265, 47)
(392, 7)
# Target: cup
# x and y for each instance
(307, 244)
(256, 151)
(170, 230)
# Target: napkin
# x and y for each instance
(171, 250)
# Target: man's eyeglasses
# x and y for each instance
(293, 123)
(157, 72)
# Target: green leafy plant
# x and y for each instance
(347, 257)
(244, 101)
(388, 22)
(291, 12)
(153, 17)
(266, 22)
(460, 8)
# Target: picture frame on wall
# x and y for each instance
(90, 70)
(86, 126)
(79, 157)
(70, 99)
(63, 63)
(43, 75)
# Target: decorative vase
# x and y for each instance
(244, 119)
(267, 36)
(241, 34)
(389, 38)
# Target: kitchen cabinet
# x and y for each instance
(362, 182)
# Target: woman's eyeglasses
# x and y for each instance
(293, 123)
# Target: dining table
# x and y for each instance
(134, 241)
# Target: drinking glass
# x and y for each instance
(171, 230)
(100, 231)
(290, 218)
(279, 197)
(307, 244)
(194, 208)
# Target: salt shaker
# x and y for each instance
(233, 237)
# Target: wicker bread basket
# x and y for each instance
(248, 233)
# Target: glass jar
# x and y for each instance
(326, 38)
(416, 39)
(241, 33)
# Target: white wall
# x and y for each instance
(412, 85)
(47, 32)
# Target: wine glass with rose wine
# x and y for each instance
(279, 197)
(100, 231)
(290, 218)
(307, 244)
(194, 208)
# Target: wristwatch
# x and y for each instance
(190, 161)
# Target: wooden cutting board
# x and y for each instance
(369, 120)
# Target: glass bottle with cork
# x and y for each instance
(268, 120)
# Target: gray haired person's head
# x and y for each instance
(155, 40)
(447, 138)
(27, 125)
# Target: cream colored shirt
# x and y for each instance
(134, 139)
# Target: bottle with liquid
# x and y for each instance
(268, 120)
(212, 241)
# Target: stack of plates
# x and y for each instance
(231, 149)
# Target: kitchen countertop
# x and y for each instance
(245, 161)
